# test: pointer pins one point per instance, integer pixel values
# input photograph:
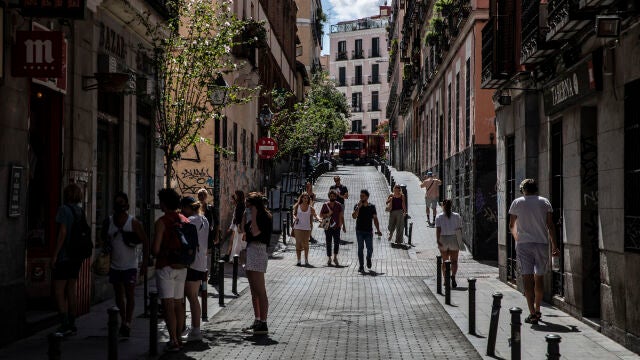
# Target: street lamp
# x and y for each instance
(218, 91)
(265, 116)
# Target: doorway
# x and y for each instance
(557, 192)
(510, 195)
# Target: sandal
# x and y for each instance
(531, 319)
(539, 315)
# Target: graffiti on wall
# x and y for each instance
(190, 180)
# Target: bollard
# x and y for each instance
(112, 326)
(439, 274)
(234, 284)
(515, 339)
(493, 325)
(153, 324)
(472, 305)
(221, 283)
(447, 282)
(553, 346)
(284, 234)
(54, 351)
(410, 232)
(204, 295)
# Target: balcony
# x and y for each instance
(373, 107)
(596, 3)
(535, 47)
(161, 7)
(498, 49)
(341, 82)
(373, 79)
(341, 55)
(565, 19)
(357, 54)
(357, 80)
(374, 53)
(356, 109)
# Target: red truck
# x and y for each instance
(361, 148)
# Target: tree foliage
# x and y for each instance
(190, 51)
(320, 120)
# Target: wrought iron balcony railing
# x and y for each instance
(374, 79)
(357, 54)
(535, 47)
(341, 55)
(565, 19)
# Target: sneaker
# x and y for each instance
(369, 263)
(171, 347)
(185, 333)
(531, 319)
(329, 261)
(454, 284)
(125, 331)
(250, 329)
(361, 269)
(335, 261)
(194, 335)
(261, 329)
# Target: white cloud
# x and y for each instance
(341, 10)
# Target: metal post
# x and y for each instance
(153, 324)
(146, 280)
(447, 282)
(493, 325)
(234, 284)
(204, 295)
(472, 305)
(439, 274)
(284, 233)
(515, 339)
(112, 326)
(410, 232)
(54, 352)
(553, 346)
(221, 282)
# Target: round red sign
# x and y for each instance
(394, 134)
(267, 148)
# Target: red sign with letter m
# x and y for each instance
(38, 54)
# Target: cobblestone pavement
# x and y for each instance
(337, 313)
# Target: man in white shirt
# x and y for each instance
(531, 224)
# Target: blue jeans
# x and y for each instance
(335, 235)
(364, 237)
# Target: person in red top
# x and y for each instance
(170, 276)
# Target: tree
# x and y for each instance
(190, 52)
(320, 119)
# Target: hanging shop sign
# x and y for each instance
(267, 148)
(581, 80)
(68, 9)
(38, 54)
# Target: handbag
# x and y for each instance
(325, 223)
(389, 206)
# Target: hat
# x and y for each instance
(429, 173)
(188, 201)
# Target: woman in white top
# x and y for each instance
(447, 224)
(303, 215)
(197, 271)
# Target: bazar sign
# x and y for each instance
(583, 79)
(38, 54)
(70, 9)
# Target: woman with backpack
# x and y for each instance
(447, 224)
(197, 271)
(65, 263)
(257, 230)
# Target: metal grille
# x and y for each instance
(632, 167)
(510, 194)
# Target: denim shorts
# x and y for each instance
(532, 258)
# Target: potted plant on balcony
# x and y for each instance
(438, 24)
(431, 38)
(444, 7)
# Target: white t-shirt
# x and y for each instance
(201, 222)
(304, 219)
(123, 257)
(448, 225)
(531, 224)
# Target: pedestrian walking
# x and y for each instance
(234, 232)
(334, 212)
(432, 194)
(303, 216)
(397, 208)
(343, 194)
(124, 234)
(197, 271)
(258, 236)
(65, 267)
(531, 224)
(170, 274)
(447, 225)
(365, 213)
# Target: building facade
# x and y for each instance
(310, 23)
(443, 120)
(358, 62)
(566, 97)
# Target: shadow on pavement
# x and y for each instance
(460, 288)
(552, 327)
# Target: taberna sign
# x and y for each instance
(38, 54)
(68, 9)
(583, 79)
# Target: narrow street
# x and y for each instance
(337, 313)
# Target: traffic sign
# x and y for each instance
(267, 148)
(394, 134)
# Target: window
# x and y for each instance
(375, 47)
(342, 76)
(356, 102)
(467, 104)
(244, 147)
(358, 53)
(457, 148)
(356, 126)
(632, 167)
(357, 80)
(374, 125)
(375, 74)
(342, 50)
(235, 142)
(374, 101)
(449, 119)
(225, 141)
(252, 145)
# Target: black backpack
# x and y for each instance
(80, 245)
(187, 234)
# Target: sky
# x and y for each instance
(341, 10)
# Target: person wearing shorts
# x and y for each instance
(170, 276)
(447, 224)
(431, 185)
(531, 224)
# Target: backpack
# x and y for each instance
(80, 245)
(187, 235)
